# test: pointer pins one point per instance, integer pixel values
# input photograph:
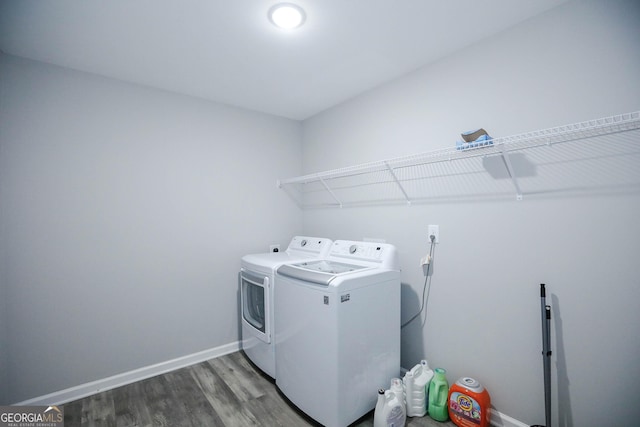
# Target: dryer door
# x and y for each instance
(255, 304)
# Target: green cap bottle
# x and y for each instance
(438, 394)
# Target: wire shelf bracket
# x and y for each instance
(395, 178)
(510, 170)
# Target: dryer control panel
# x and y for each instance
(316, 245)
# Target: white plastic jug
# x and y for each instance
(416, 384)
(398, 388)
(389, 410)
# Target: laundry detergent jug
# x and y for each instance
(438, 393)
(389, 410)
(416, 386)
(469, 403)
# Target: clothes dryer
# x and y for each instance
(256, 278)
(337, 326)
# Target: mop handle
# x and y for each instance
(546, 353)
(546, 322)
(546, 315)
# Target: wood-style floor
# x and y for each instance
(227, 391)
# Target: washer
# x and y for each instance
(256, 278)
(337, 326)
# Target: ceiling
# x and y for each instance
(228, 51)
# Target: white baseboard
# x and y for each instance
(87, 389)
(498, 419)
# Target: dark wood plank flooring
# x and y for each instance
(228, 391)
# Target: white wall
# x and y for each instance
(575, 63)
(124, 212)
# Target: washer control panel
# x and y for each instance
(365, 251)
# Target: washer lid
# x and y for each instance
(318, 271)
(330, 267)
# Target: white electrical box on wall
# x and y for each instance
(434, 230)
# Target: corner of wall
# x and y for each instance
(4, 345)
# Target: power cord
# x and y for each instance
(427, 281)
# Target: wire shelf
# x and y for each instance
(594, 155)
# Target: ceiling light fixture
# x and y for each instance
(287, 16)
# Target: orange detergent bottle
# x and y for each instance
(469, 403)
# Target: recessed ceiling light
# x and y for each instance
(287, 16)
